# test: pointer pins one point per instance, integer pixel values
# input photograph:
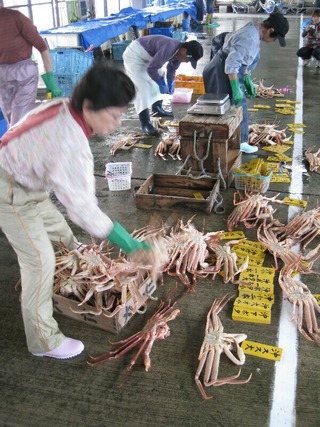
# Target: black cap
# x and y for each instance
(195, 50)
(280, 24)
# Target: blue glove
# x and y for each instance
(171, 86)
(163, 86)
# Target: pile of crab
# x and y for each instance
(268, 134)
(93, 275)
(256, 211)
(267, 91)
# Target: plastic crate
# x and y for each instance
(182, 95)
(179, 35)
(197, 86)
(68, 67)
(249, 182)
(118, 176)
(164, 31)
(118, 48)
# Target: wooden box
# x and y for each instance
(222, 127)
(161, 191)
(64, 306)
(211, 144)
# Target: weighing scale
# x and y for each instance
(211, 104)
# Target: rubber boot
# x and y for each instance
(159, 111)
(146, 125)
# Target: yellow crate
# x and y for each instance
(185, 78)
(249, 182)
(197, 86)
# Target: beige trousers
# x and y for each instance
(31, 222)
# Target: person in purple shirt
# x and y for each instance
(143, 61)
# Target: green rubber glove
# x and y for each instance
(122, 238)
(250, 87)
(51, 84)
(237, 93)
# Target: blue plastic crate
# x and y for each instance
(180, 35)
(69, 65)
(70, 61)
(118, 48)
(164, 31)
(67, 82)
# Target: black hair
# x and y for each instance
(104, 86)
(266, 24)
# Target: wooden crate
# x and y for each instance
(161, 191)
(113, 324)
(223, 127)
(219, 153)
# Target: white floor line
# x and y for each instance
(283, 411)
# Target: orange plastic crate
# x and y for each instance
(191, 82)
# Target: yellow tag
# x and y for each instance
(262, 350)
(261, 106)
(279, 157)
(255, 262)
(168, 123)
(262, 272)
(256, 286)
(252, 245)
(297, 125)
(256, 296)
(284, 106)
(253, 316)
(263, 305)
(276, 148)
(294, 202)
(252, 110)
(138, 145)
(230, 235)
(198, 196)
(276, 177)
(288, 101)
(252, 253)
(284, 111)
(49, 95)
(317, 297)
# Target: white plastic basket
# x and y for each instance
(118, 176)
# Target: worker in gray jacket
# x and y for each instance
(227, 72)
(143, 61)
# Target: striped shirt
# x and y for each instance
(17, 37)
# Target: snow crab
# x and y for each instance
(251, 209)
(300, 296)
(156, 328)
(214, 344)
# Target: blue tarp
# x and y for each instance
(97, 31)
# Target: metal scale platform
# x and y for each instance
(211, 104)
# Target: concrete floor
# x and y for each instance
(37, 392)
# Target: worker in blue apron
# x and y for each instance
(227, 72)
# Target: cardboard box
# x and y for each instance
(113, 324)
(161, 191)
